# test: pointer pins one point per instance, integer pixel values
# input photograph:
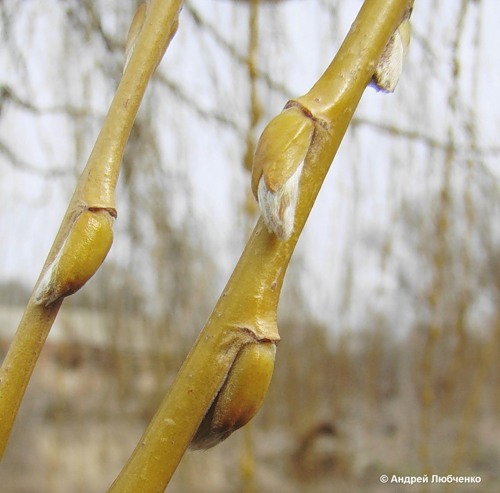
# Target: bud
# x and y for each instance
(134, 30)
(278, 208)
(240, 397)
(277, 167)
(82, 252)
(390, 66)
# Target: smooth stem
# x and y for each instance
(240, 317)
(247, 308)
(94, 189)
(338, 91)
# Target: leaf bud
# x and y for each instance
(136, 28)
(277, 167)
(240, 397)
(133, 32)
(80, 255)
(390, 66)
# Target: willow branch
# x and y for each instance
(245, 315)
(85, 234)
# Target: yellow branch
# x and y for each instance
(85, 234)
(246, 312)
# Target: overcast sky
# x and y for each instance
(372, 177)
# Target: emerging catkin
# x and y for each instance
(390, 66)
(80, 255)
(277, 168)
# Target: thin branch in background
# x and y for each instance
(9, 38)
(239, 57)
(470, 152)
(87, 21)
(206, 114)
(255, 112)
(437, 333)
(90, 23)
(8, 95)
(24, 166)
(428, 140)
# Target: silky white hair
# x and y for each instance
(278, 208)
(390, 65)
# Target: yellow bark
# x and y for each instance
(94, 195)
(246, 312)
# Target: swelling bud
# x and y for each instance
(135, 30)
(390, 66)
(80, 255)
(240, 397)
(277, 167)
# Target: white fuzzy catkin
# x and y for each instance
(278, 208)
(390, 65)
(47, 290)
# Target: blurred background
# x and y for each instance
(389, 361)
